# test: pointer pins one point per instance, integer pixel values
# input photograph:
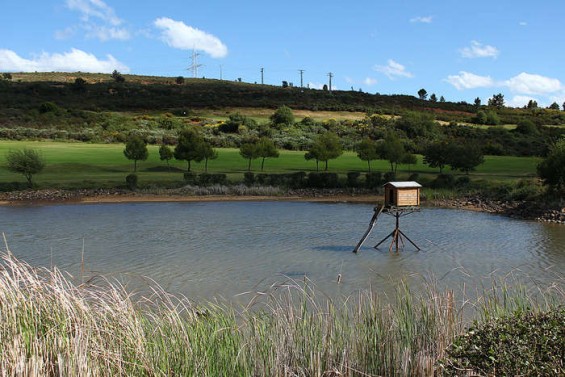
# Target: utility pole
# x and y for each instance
(330, 75)
(194, 64)
(262, 70)
(301, 82)
(220, 72)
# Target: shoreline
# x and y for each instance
(519, 210)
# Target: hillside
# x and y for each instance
(102, 92)
(107, 108)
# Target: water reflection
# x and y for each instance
(212, 249)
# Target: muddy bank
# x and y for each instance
(516, 209)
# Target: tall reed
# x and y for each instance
(52, 327)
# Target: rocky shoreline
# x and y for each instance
(516, 209)
(525, 210)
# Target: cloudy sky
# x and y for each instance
(457, 49)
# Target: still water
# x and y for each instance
(222, 249)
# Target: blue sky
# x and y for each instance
(457, 49)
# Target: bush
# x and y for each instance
(131, 181)
(353, 178)
(248, 178)
(463, 181)
(208, 179)
(443, 181)
(525, 344)
(373, 180)
(323, 180)
(390, 176)
(189, 177)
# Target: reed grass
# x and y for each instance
(54, 327)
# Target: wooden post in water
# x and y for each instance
(397, 235)
(378, 210)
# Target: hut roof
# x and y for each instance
(404, 184)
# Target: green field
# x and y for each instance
(76, 165)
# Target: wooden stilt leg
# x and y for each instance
(372, 224)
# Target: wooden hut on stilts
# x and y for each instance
(401, 199)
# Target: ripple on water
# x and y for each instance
(203, 249)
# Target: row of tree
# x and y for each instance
(192, 147)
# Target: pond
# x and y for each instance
(222, 249)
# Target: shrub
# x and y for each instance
(208, 179)
(353, 178)
(131, 181)
(48, 107)
(525, 344)
(248, 178)
(462, 181)
(390, 176)
(373, 180)
(323, 180)
(189, 177)
(443, 181)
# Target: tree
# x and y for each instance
(436, 155)
(206, 152)
(554, 106)
(136, 149)
(392, 150)
(249, 152)
(117, 76)
(266, 148)
(179, 80)
(527, 127)
(477, 102)
(27, 162)
(442, 99)
(422, 94)
(187, 146)
(409, 159)
(465, 157)
(79, 85)
(367, 151)
(552, 169)
(497, 101)
(326, 147)
(283, 116)
(166, 154)
(433, 98)
(532, 104)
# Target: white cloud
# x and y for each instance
(520, 101)
(104, 33)
(96, 9)
(523, 23)
(527, 83)
(179, 35)
(392, 70)
(73, 61)
(369, 81)
(478, 50)
(466, 80)
(99, 20)
(424, 20)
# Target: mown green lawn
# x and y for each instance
(104, 165)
